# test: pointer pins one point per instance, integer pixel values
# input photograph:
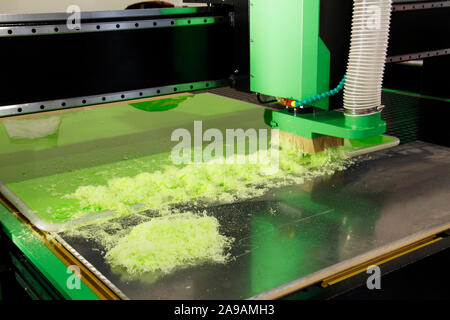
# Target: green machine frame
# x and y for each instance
(288, 59)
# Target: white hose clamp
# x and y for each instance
(363, 112)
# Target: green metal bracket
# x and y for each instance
(332, 123)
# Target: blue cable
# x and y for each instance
(321, 96)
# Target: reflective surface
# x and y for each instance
(45, 156)
(295, 231)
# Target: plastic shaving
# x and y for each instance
(168, 243)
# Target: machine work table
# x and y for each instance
(294, 237)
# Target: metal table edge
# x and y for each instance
(46, 262)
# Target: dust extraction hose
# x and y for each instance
(365, 70)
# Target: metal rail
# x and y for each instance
(107, 98)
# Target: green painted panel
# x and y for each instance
(284, 47)
(323, 75)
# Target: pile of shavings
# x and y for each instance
(206, 182)
(168, 243)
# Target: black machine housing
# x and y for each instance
(122, 55)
